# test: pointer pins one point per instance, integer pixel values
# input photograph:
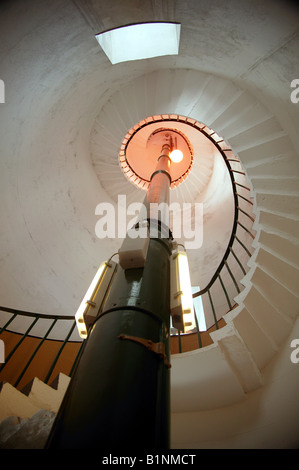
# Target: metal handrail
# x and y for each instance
(236, 212)
(238, 199)
(27, 361)
(209, 133)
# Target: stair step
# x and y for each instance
(281, 145)
(278, 224)
(277, 268)
(9, 426)
(216, 91)
(44, 396)
(243, 114)
(280, 246)
(275, 293)
(276, 326)
(213, 385)
(61, 382)
(15, 403)
(239, 357)
(258, 343)
(276, 185)
(36, 395)
(229, 94)
(281, 166)
(31, 433)
(275, 203)
(260, 133)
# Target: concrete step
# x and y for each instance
(276, 204)
(278, 224)
(258, 343)
(284, 165)
(215, 100)
(26, 420)
(26, 433)
(8, 427)
(238, 357)
(280, 270)
(61, 383)
(276, 185)
(45, 397)
(275, 325)
(15, 403)
(213, 385)
(243, 113)
(283, 248)
(259, 133)
(230, 93)
(39, 396)
(276, 294)
(266, 152)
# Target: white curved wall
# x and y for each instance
(56, 81)
(267, 418)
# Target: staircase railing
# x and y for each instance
(233, 266)
(28, 354)
(241, 238)
(228, 275)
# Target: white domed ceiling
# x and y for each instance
(59, 87)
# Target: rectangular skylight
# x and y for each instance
(140, 41)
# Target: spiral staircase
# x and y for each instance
(240, 391)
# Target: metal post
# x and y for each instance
(119, 395)
(158, 191)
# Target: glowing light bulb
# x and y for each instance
(176, 156)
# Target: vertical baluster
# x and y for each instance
(77, 357)
(246, 229)
(180, 344)
(9, 321)
(20, 342)
(34, 353)
(197, 331)
(238, 261)
(244, 198)
(246, 213)
(242, 245)
(59, 353)
(225, 292)
(213, 309)
(233, 277)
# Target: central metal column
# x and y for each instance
(158, 192)
(119, 395)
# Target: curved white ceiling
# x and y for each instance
(57, 81)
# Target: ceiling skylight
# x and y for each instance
(140, 41)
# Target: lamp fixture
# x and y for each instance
(181, 300)
(92, 300)
(176, 156)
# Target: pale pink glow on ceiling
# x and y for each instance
(142, 147)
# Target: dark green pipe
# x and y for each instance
(119, 395)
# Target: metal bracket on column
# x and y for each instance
(157, 348)
(162, 171)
